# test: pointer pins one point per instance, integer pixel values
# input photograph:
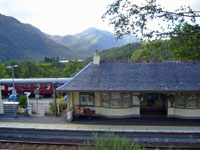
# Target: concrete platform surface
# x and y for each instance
(147, 125)
(112, 128)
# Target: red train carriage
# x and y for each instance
(44, 85)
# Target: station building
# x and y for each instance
(121, 89)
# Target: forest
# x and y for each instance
(49, 68)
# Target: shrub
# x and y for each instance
(61, 103)
(110, 141)
(22, 101)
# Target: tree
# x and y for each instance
(29, 69)
(154, 50)
(131, 18)
(2, 71)
(72, 67)
(17, 71)
(186, 44)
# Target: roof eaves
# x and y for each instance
(60, 87)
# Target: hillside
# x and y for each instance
(20, 42)
(91, 39)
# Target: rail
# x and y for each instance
(83, 144)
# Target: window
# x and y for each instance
(36, 86)
(126, 100)
(10, 87)
(105, 99)
(192, 101)
(87, 98)
(21, 86)
(47, 86)
(29, 86)
(115, 99)
(136, 101)
(181, 101)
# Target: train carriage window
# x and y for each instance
(36, 86)
(21, 86)
(10, 87)
(29, 86)
(47, 86)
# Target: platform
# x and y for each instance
(147, 125)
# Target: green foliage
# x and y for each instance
(46, 69)
(156, 50)
(141, 54)
(22, 101)
(2, 71)
(110, 141)
(186, 44)
(51, 108)
(61, 103)
(130, 17)
(72, 68)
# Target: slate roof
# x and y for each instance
(137, 76)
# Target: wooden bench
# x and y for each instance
(81, 111)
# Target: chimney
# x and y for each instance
(96, 58)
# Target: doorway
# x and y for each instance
(153, 105)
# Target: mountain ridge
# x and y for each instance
(91, 39)
(19, 41)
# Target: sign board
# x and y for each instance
(136, 101)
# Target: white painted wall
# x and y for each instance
(116, 113)
(187, 113)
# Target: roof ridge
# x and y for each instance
(148, 61)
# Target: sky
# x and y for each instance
(63, 17)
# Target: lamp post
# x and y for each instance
(13, 84)
(55, 101)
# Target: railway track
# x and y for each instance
(74, 138)
(88, 135)
(81, 144)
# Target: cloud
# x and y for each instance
(195, 5)
(14, 8)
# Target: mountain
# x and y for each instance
(87, 41)
(20, 42)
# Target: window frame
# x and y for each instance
(21, 86)
(193, 97)
(180, 103)
(88, 96)
(108, 99)
(126, 98)
(114, 97)
(36, 86)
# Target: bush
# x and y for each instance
(61, 103)
(22, 101)
(110, 141)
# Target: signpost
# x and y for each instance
(55, 101)
(28, 106)
(13, 84)
(1, 102)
